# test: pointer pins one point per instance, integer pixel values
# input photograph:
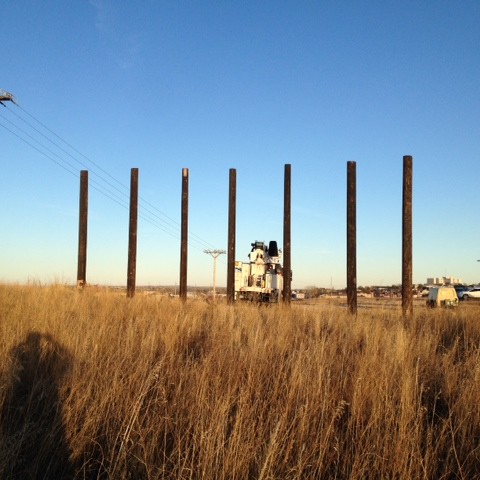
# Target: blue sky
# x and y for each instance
(248, 85)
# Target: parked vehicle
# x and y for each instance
(442, 297)
(461, 290)
(472, 293)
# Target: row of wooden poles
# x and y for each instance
(133, 223)
(407, 291)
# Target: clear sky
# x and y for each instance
(213, 85)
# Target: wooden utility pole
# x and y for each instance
(132, 237)
(82, 230)
(184, 237)
(407, 251)
(352, 237)
(232, 200)
(287, 262)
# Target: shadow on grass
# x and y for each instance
(34, 443)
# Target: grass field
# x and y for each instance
(97, 386)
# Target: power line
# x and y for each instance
(124, 187)
(95, 185)
(150, 212)
(174, 224)
(37, 149)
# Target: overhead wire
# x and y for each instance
(170, 221)
(94, 184)
(148, 212)
(122, 192)
(37, 149)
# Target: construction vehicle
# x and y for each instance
(261, 279)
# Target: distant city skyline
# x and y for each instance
(444, 281)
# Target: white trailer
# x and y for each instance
(261, 279)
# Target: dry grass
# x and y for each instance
(97, 386)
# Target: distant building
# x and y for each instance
(444, 281)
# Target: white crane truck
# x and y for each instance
(261, 279)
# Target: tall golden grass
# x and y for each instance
(95, 385)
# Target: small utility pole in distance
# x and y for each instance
(215, 254)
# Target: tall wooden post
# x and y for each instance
(352, 237)
(407, 286)
(232, 201)
(82, 230)
(184, 236)
(287, 261)
(132, 236)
